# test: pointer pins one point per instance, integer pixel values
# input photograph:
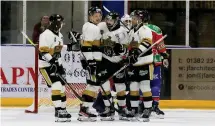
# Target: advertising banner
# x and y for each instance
(193, 74)
(18, 71)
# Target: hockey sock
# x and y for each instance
(134, 94)
(147, 94)
(155, 103)
(107, 98)
(63, 100)
(56, 98)
(121, 96)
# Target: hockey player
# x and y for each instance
(92, 57)
(126, 19)
(50, 45)
(160, 53)
(115, 42)
(140, 70)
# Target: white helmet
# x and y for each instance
(126, 19)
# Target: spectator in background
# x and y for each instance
(39, 28)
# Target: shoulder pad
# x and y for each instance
(155, 28)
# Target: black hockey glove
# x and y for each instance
(56, 67)
(118, 48)
(133, 55)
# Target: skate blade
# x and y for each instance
(60, 119)
(156, 116)
(87, 119)
(124, 119)
(144, 119)
(68, 120)
(107, 118)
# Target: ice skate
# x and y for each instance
(157, 113)
(146, 114)
(107, 115)
(85, 115)
(68, 116)
(60, 116)
(127, 115)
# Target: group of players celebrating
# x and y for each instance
(107, 47)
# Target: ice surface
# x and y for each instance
(17, 117)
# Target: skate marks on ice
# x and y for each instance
(17, 117)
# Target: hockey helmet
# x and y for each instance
(56, 21)
(112, 19)
(93, 10)
(126, 19)
(141, 14)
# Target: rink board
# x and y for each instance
(188, 104)
(15, 99)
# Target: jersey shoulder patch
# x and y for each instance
(155, 28)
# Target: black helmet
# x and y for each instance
(142, 14)
(93, 10)
(56, 22)
(56, 17)
(112, 16)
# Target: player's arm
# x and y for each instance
(96, 44)
(161, 47)
(145, 43)
(44, 46)
(91, 46)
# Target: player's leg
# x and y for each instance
(63, 102)
(119, 83)
(103, 75)
(156, 87)
(55, 84)
(133, 78)
(146, 73)
(89, 95)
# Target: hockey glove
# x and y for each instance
(165, 59)
(133, 55)
(118, 48)
(56, 67)
(166, 63)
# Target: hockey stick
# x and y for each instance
(125, 66)
(32, 43)
(106, 9)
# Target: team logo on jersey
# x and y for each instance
(108, 51)
(120, 75)
(130, 73)
(143, 72)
